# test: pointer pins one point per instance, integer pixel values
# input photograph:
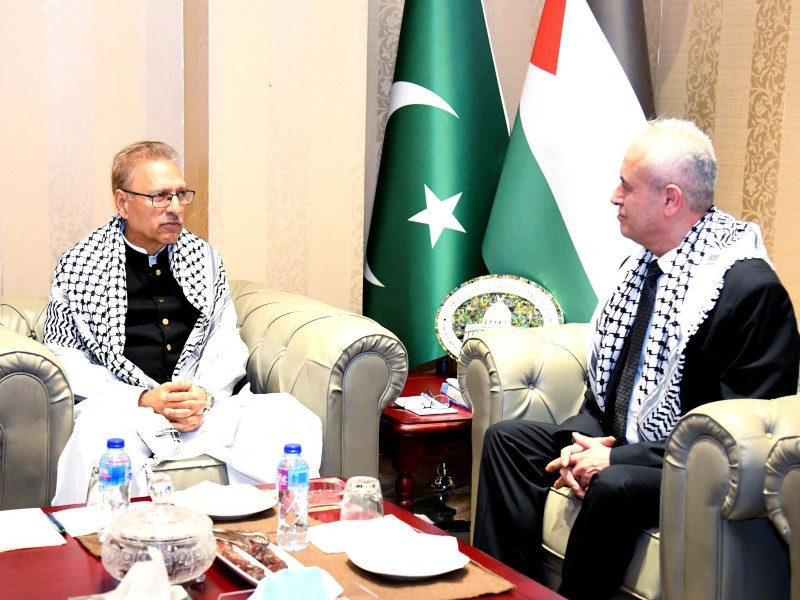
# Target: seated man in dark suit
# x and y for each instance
(698, 315)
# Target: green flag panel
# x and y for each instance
(526, 211)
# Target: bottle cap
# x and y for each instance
(115, 443)
(291, 449)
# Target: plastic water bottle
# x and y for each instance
(292, 499)
(114, 482)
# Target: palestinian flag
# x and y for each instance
(552, 220)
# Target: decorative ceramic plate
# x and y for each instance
(493, 301)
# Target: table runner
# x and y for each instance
(470, 582)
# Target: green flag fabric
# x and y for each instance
(443, 150)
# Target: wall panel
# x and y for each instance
(87, 77)
(786, 246)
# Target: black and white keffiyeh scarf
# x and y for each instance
(710, 248)
(91, 279)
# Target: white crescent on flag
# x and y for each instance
(370, 276)
(405, 93)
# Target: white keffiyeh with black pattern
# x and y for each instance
(710, 248)
(93, 277)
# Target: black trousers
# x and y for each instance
(622, 501)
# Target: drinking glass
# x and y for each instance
(93, 489)
(362, 499)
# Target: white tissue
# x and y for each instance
(147, 580)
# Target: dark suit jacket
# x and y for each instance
(748, 347)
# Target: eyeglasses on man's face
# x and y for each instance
(164, 199)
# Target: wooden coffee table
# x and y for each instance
(410, 440)
(60, 572)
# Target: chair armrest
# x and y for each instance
(712, 503)
(522, 373)
(781, 493)
(782, 487)
(344, 367)
(24, 315)
(36, 407)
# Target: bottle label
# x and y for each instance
(297, 477)
(115, 474)
(283, 479)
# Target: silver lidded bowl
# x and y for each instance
(183, 536)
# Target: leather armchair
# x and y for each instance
(343, 366)
(715, 539)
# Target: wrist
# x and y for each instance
(210, 400)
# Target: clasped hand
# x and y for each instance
(580, 461)
(181, 402)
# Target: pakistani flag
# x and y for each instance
(552, 219)
(442, 154)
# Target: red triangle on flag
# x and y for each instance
(548, 36)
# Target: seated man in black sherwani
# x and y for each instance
(698, 315)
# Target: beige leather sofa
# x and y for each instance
(715, 539)
(343, 366)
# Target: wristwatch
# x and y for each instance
(210, 400)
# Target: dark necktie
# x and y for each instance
(637, 333)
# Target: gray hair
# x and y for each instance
(127, 158)
(678, 152)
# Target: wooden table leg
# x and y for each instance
(404, 486)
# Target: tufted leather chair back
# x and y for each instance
(35, 407)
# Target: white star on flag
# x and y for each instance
(438, 215)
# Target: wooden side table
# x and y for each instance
(411, 440)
